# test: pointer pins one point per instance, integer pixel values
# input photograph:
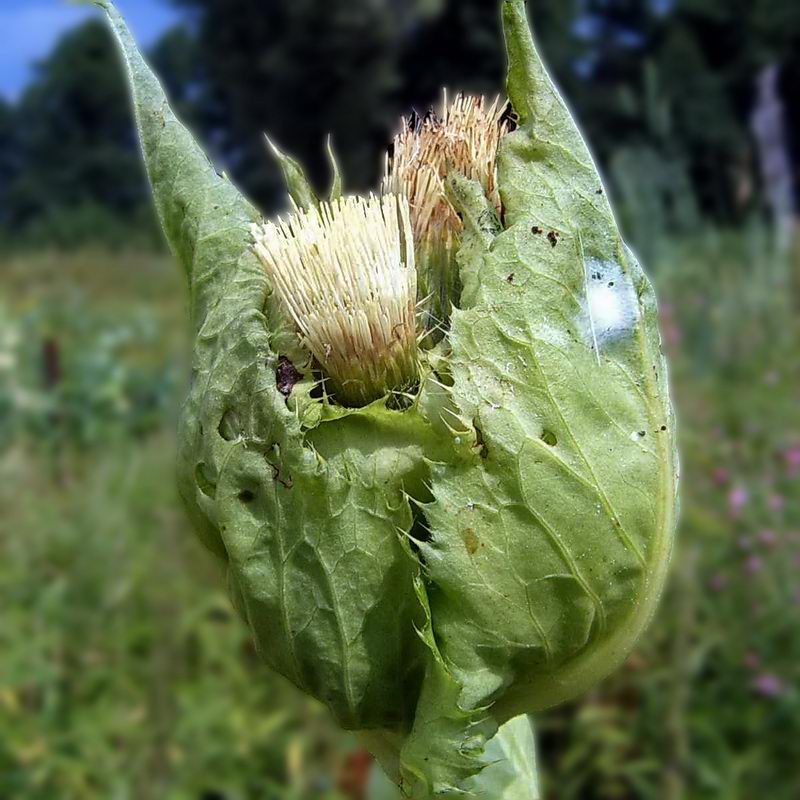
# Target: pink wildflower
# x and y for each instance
(777, 502)
(737, 499)
(768, 685)
(718, 582)
(753, 565)
(768, 538)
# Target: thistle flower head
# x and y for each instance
(344, 273)
(463, 138)
(432, 571)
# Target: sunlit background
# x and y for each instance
(123, 670)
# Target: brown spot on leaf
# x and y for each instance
(286, 376)
(510, 278)
(552, 237)
(536, 230)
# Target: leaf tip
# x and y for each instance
(104, 4)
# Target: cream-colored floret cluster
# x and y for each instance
(464, 137)
(364, 280)
(345, 274)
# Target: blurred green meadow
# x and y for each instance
(125, 674)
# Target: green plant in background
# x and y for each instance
(77, 367)
(431, 537)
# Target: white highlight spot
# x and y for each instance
(605, 308)
(612, 304)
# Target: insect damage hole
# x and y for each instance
(230, 428)
(419, 533)
(205, 484)
(549, 438)
(480, 442)
(247, 496)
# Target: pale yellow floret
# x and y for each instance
(465, 138)
(345, 275)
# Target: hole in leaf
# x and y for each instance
(480, 442)
(510, 118)
(204, 483)
(549, 438)
(246, 496)
(318, 392)
(229, 426)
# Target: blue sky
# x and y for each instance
(30, 28)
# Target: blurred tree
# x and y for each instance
(8, 157)
(706, 56)
(664, 89)
(301, 70)
(459, 47)
(298, 71)
(76, 141)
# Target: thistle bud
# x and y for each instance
(344, 273)
(463, 138)
(431, 570)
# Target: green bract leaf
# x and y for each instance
(298, 185)
(509, 773)
(337, 184)
(490, 544)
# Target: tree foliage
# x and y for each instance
(663, 89)
(72, 134)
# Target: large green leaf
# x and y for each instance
(308, 534)
(549, 552)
